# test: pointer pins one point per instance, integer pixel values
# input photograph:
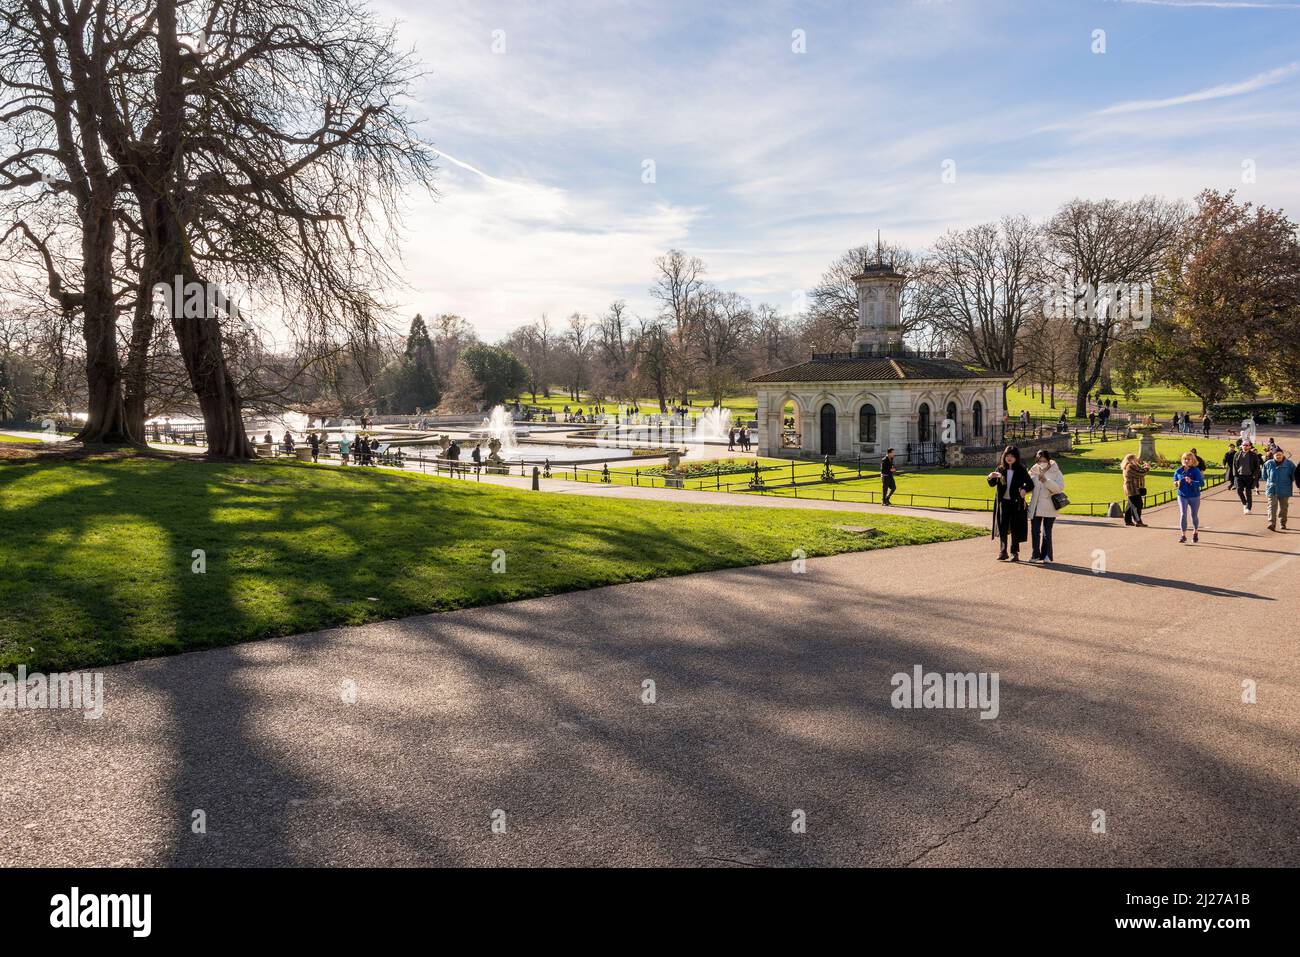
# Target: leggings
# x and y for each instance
(1190, 506)
(1134, 509)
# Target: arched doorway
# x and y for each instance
(977, 418)
(828, 429)
(923, 423)
(952, 433)
(788, 426)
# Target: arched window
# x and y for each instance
(867, 424)
(951, 416)
(923, 423)
(977, 418)
(828, 429)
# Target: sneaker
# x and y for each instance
(1034, 559)
(1196, 537)
(1015, 556)
(1271, 528)
(1002, 557)
(1182, 539)
(1245, 510)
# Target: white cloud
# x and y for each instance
(1257, 82)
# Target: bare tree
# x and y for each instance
(1091, 244)
(720, 331)
(51, 75)
(580, 342)
(654, 360)
(980, 286)
(615, 344)
(679, 282)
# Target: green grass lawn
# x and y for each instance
(1091, 476)
(1160, 401)
(716, 473)
(13, 438)
(97, 553)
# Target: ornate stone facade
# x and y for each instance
(882, 395)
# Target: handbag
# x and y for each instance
(1060, 500)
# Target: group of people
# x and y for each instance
(1026, 504)
(1246, 468)
(1183, 423)
(1029, 499)
(453, 453)
(1100, 418)
(363, 450)
(741, 436)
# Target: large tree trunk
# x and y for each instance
(199, 338)
(205, 361)
(106, 420)
(137, 359)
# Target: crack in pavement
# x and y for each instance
(969, 824)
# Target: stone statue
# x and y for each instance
(494, 450)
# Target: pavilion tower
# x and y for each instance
(880, 329)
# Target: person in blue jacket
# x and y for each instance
(1279, 476)
(1188, 479)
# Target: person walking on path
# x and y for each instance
(1010, 519)
(731, 440)
(1048, 483)
(1228, 458)
(887, 472)
(1135, 488)
(1247, 467)
(1188, 480)
(314, 441)
(344, 447)
(1206, 425)
(1279, 477)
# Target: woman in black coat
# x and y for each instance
(1010, 517)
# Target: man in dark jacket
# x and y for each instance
(314, 441)
(1228, 458)
(887, 473)
(1246, 466)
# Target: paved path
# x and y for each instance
(1119, 692)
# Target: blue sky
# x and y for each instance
(768, 163)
